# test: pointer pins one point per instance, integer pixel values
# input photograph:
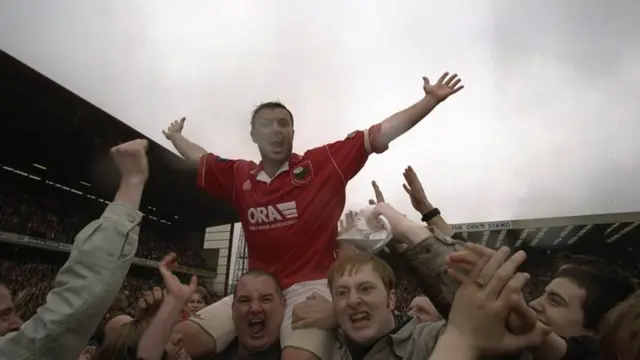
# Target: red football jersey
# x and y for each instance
(290, 220)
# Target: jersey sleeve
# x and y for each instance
(350, 155)
(217, 176)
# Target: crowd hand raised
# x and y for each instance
(314, 312)
(523, 319)
(175, 289)
(131, 160)
(378, 194)
(484, 301)
(149, 303)
(347, 222)
(416, 193)
(445, 87)
(174, 128)
(405, 232)
(88, 353)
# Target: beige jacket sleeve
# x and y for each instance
(428, 264)
(83, 290)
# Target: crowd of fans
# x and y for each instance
(453, 299)
(53, 215)
(29, 273)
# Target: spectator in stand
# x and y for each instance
(573, 304)
(422, 309)
(27, 211)
(198, 301)
(90, 279)
(30, 299)
(620, 331)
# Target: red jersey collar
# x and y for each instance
(259, 173)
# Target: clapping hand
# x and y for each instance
(445, 87)
(523, 319)
(88, 353)
(149, 303)
(484, 302)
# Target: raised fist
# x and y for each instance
(131, 160)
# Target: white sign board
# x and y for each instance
(495, 225)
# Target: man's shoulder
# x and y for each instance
(417, 339)
(241, 166)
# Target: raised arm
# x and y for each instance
(400, 122)
(430, 214)
(426, 250)
(88, 282)
(152, 344)
(192, 152)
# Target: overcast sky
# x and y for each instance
(547, 125)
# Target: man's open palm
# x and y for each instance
(446, 86)
(174, 128)
(414, 189)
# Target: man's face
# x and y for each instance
(560, 307)
(422, 309)
(362, 305)
(273, 133)
(258, 310)
(9, 321)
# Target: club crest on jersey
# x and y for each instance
(246, 186)
(302, 173)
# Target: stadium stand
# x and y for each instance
(52, 183)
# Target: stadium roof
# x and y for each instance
(51, 133)
(618, 231)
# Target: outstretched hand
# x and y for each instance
(445, 87)
(175, 288)
(174, 128)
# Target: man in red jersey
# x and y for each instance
(289, 206)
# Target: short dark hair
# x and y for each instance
(605, 285)
(269, 105)
(260, 273)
